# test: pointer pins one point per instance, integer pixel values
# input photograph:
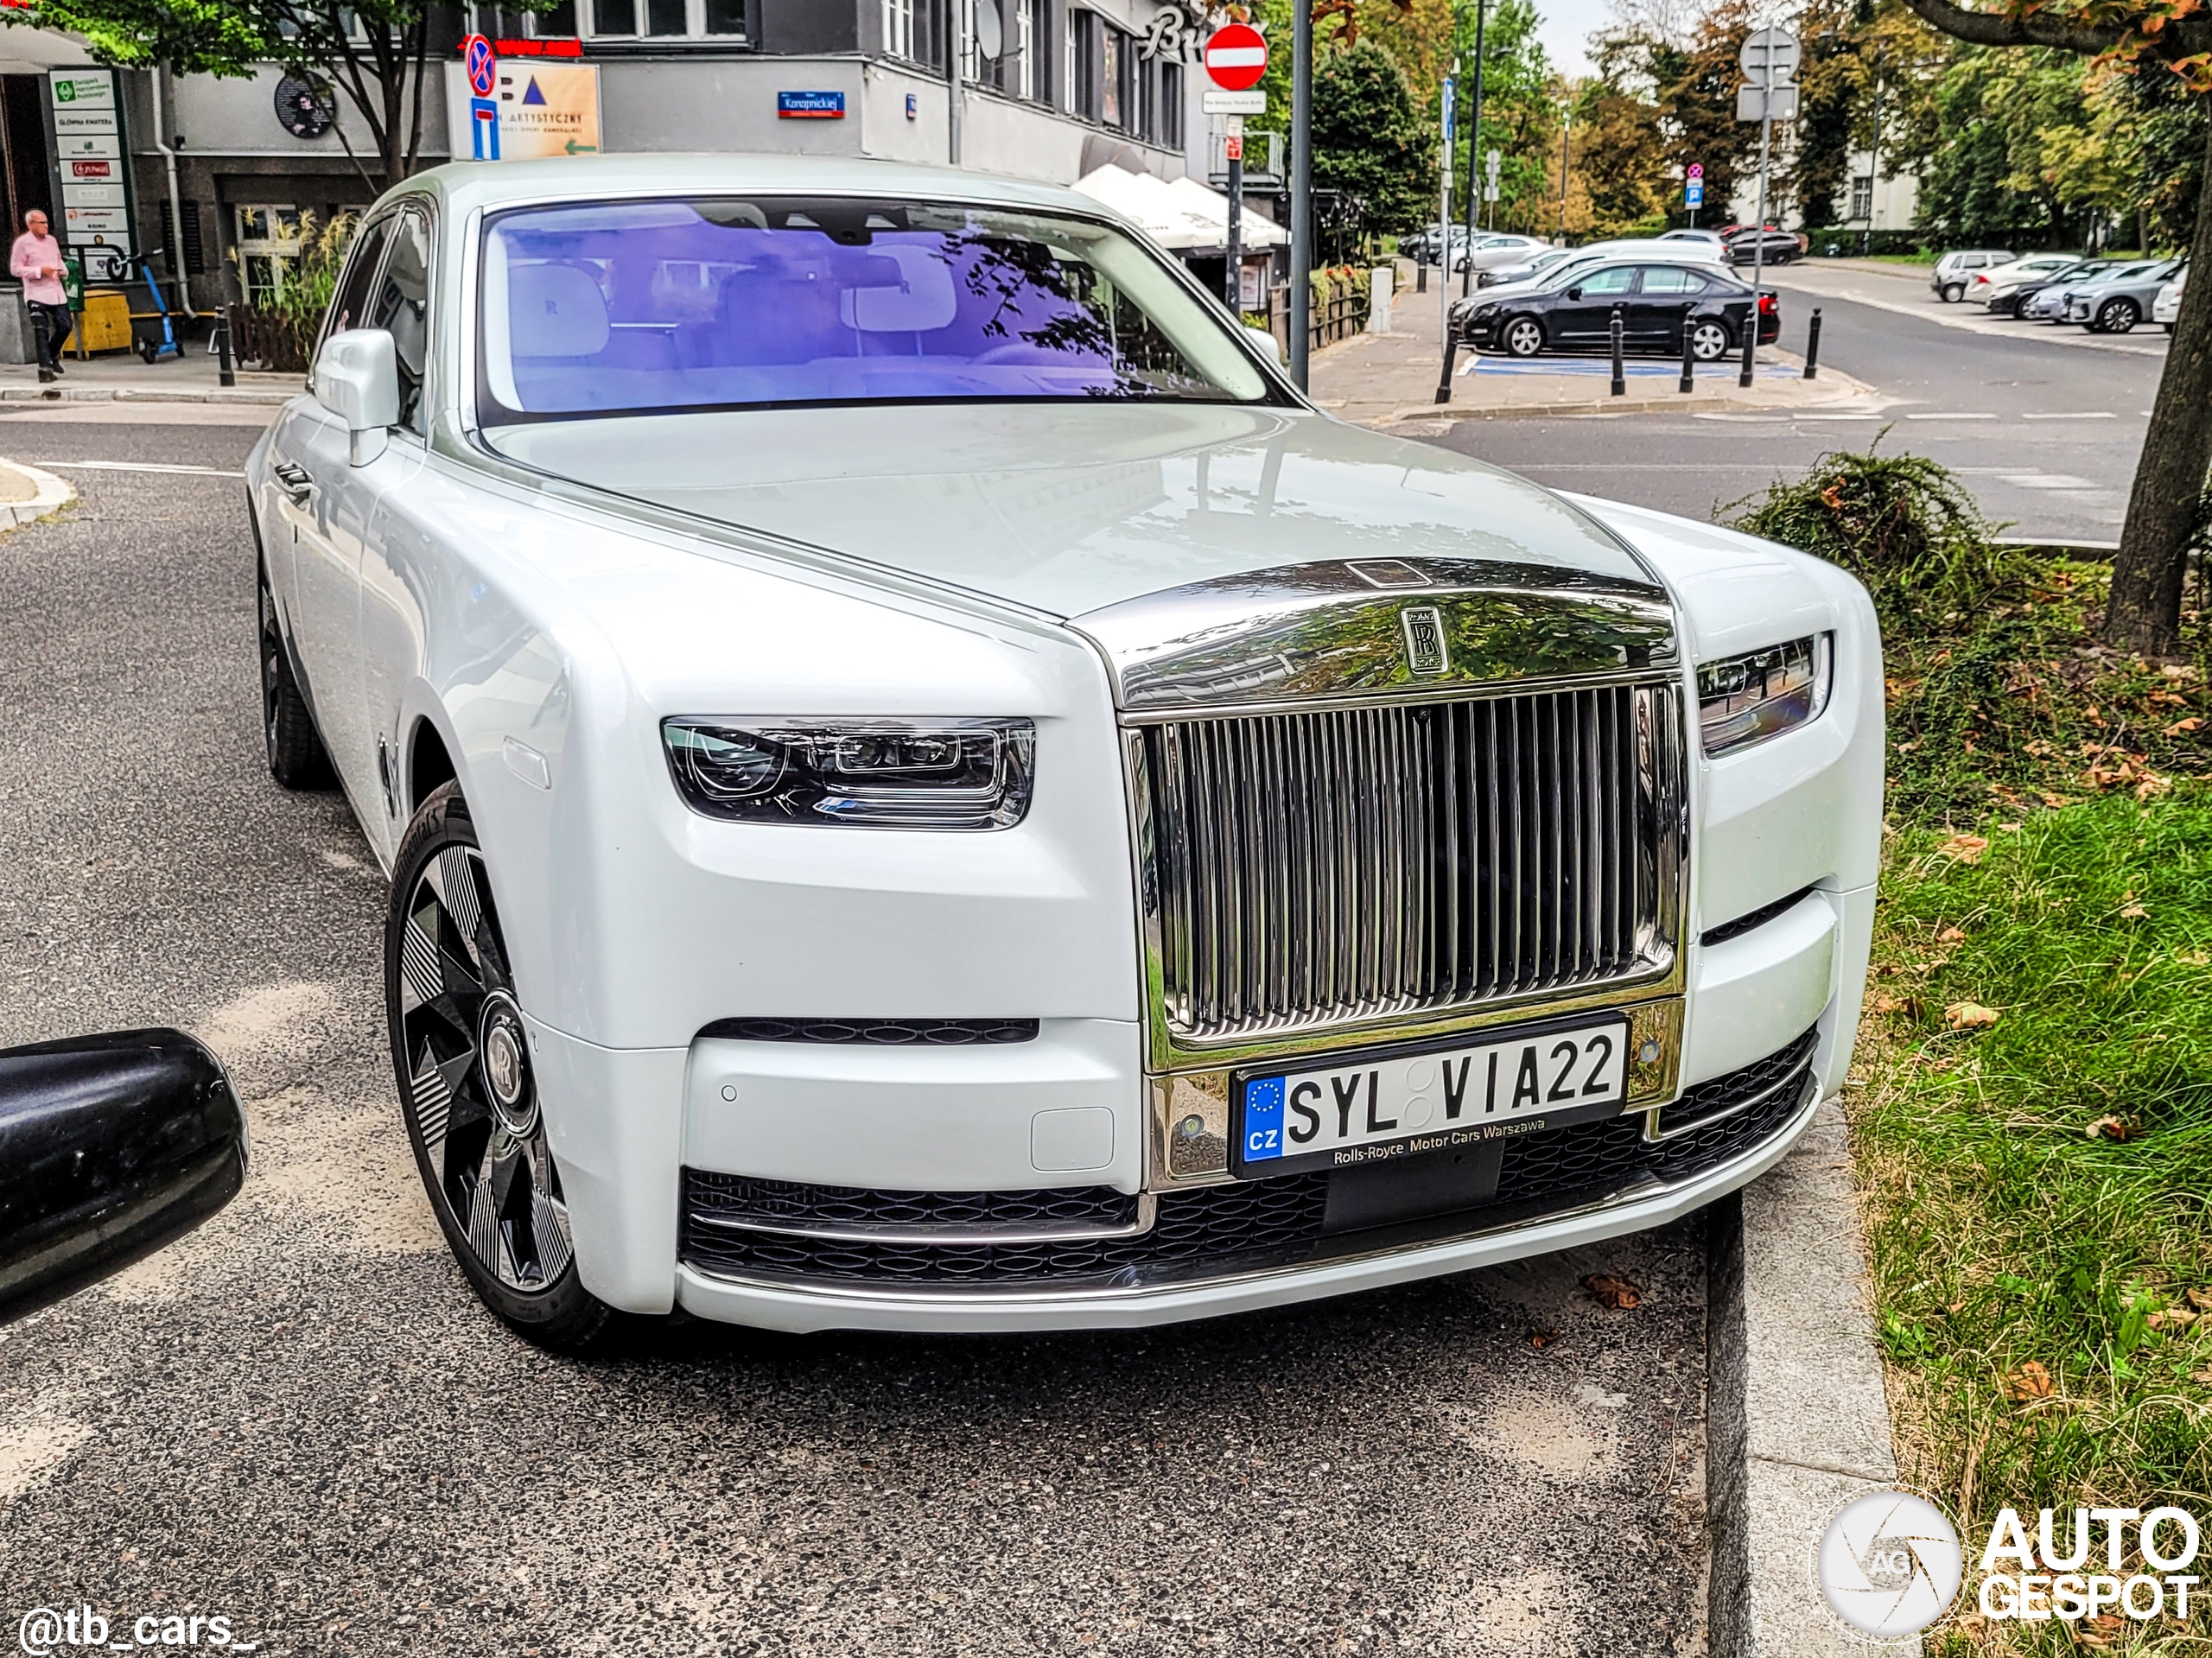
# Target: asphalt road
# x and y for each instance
(300, 1420)
(2043, 422)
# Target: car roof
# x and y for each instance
(465, 186)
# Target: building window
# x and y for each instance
(663, 20)
(1862, 197)
(1082, 75)
(898, 27)
(1113, 98)
(1171, 105)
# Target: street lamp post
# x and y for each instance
(1301, 187)
(1565, 128)
(1474, 156)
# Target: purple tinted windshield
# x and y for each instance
(629, 306)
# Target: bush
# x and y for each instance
(1902, 525)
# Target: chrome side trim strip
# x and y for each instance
(1717, 1177)
(1146, 1213)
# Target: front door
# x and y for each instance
(1583, 315)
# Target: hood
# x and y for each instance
(1066, 509)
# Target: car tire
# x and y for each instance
(1709, 341)
(2117, 316)
(297, 758)
(461, 1059)
(1953, 292)
(1522, 336)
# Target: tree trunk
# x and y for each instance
(2144, 615)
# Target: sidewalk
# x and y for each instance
(119, 375)
(1389, 380)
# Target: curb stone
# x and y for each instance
(54, 494)
(1799, 1418)
(259, 395)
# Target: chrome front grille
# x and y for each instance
(1347, 865)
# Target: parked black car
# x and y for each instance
(1657, 302)
(1780, 247)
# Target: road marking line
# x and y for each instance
(2045, 481)
(1950, 418)
(2086, 414)
(1837, 417)
(138, 466)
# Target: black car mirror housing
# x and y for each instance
(110, 1147)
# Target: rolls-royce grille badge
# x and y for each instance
(1425, 653)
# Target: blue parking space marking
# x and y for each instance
(1262, 1119)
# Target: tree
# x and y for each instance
(2157, 38)
(1369, 140)
(375, 52)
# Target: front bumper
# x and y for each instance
(1065, 1110)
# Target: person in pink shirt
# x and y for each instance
(35, 261)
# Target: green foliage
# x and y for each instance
(1901, 524)
(1369, 140)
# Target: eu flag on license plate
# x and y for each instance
(1262, 1119)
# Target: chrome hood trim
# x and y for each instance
(1375, 630)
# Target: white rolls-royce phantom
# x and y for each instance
(926, 787)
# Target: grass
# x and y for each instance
(2031, 1107)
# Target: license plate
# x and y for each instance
(1400, 1102)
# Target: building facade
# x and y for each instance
(226, 173)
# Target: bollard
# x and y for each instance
(1620, 377)
(1421, 276)
(1689, 355)
(1451, 355)
(1751, 341)
(226, 368)
(40, 332)
(1813, 344)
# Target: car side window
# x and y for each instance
(351, 302)
(1671, 279)
(1618, 279)
(401, 307)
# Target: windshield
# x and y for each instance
(639, 307)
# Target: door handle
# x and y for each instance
(294, 481)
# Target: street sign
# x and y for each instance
(1236, 57)
(1694, 193)
(1770, 57)
(1252, 103)
(1756, 103)
(1451, 99)
(1694, 171)
(1489, 164)
(476, 56)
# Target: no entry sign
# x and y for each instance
(1237, 56)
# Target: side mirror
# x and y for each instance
(357, 379)
(109, 1148)
(1574, 292)
(1269, 342)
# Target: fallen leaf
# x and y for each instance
(2052, 800)
(1889, 1004)
(2030, 1382)
(1541, 1339)
(2152, 784)
(2195, 958)
(2201, 1300)
(2099, 1632)
(1969, 1016)
(1951, 936)
(2181, 727)
(2134, 912)
(1615, 1292)
(1966, 849)
(2171, 1318)
(2114, 1128)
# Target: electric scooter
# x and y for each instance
(167, 345)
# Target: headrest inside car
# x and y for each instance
(555, 310)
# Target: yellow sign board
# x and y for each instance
(547, 108)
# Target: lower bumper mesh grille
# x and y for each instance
(1218, 1230)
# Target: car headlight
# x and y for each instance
(1762, 693)
(922, 774)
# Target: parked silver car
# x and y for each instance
(2166, 309)
(1953, 270)
(2116, 302)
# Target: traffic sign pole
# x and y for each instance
(1474, 147)
(1236, 57)
(1444, 224)
(1769, 59)
(1301, 189)
(1236, 277)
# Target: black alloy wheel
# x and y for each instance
(1523, 336)
(1708, 339)
(296, 757)
(467, 1089)
(2117, 316)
